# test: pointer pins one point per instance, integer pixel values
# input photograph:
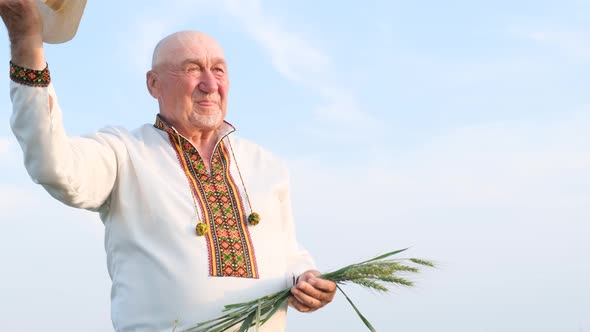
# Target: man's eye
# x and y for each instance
(193, 69)
(219, 70)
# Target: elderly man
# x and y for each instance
(194, 216)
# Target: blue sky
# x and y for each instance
(458, 128)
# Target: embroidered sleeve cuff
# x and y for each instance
(30, 77)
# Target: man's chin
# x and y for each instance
(208, 122)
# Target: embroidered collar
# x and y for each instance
(219, 207)
(225, 129)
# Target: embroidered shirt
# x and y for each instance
(160, 269)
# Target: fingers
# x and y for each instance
(308, 275)
(312, 294)
(22, 19)
(309, 297)
(295, 303)
(323, 285)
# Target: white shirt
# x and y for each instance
(158, 266)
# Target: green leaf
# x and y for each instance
(371, 273)
(336, 275)
(247, 322)
(391, 253)
(422, 262)
(258, 315)
(276, 307)
(357, 311)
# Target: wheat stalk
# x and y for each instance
(377, 273)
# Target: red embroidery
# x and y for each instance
(231, 253)
(30, 77)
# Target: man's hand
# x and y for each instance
(311, 292)
(25, 31)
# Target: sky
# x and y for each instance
(460, 129)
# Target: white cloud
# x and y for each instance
(295, 57)
(339, 116)
(574, 44)
(147, 31)
(291, 53)
(151, 24)
(52, 257)
(492, 204)
(538, 168)
(499, 161)
(4, 146)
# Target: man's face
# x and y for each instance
(191, 82)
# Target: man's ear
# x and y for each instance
(151, 80)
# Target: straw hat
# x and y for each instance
(60, 19)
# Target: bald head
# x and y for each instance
(190, 81)
(175, 45)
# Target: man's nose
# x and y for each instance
(208, 82)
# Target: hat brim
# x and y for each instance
(61, 26)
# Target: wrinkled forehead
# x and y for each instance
(180, 47)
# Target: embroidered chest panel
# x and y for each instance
(230, 249)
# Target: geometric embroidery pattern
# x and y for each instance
(30, 77)
(230, 249)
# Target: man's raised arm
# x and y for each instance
(79, 171)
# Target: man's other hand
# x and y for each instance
(311, 292)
